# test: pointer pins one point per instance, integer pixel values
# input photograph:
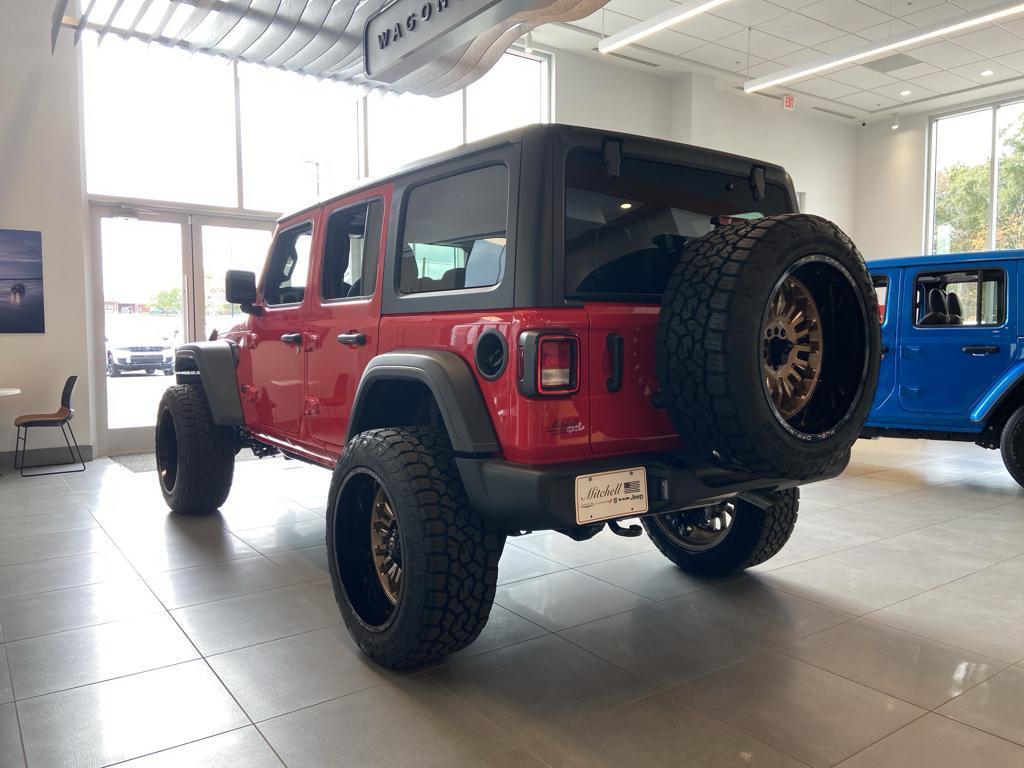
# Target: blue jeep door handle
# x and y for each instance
(980, 349)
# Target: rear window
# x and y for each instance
(623, 236)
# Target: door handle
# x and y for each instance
(292, 338)
(613, 343)
(980, 349)
(352, 339)
(885, 349)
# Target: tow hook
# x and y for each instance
(618, 530)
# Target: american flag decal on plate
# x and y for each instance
(632, 486)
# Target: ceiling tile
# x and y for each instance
(640, 9)
(847, 15)
(943, 82)
(793, 5)
(823, 87)
(799, 57)
(935, 14)
(902, 7)
(914, 70)
(1015, 25)
(724, 58)
(709, 27)
(1012, 60)
(973, 72)
(762, 69)
(862, 78)
(760, 44)
(671, 42)
(800, 29)
(945, 54)
(974, 5)
(841, 44)
(605, 22)
(990, 41)
(749, 13)
(869, 101)
(886, 30)
(897, 90)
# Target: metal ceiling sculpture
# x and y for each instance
(429, 47)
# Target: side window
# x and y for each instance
(454, 232)
(881, 283)
(289, 265)
(351, 246)
(963, 297)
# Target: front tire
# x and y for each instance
(1011, 445)
(195, 458)
(725, 538)
(414, 568)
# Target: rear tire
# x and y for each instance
(1011, 445)
(403, 484)
(768, 346)
(754, 535)
(195, 458)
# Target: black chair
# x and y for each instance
(60, 418)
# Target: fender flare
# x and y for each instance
(1004, 387)
(214, 362)
(453, 386)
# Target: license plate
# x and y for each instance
(611, 494)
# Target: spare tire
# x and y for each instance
(768, 346)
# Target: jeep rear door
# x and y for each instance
(623, 235)
(342, 336)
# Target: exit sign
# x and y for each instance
(789, 102)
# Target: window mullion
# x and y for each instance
(240, 190)
(993, 185)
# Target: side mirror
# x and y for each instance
(240, 288)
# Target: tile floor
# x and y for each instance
(889, 632)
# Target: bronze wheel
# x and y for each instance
(697, 530)
(791, 347)
(386, 546)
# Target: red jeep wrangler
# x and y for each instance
(556, 328)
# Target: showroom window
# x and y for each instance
(977, 180)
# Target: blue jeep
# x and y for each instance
(952, 355)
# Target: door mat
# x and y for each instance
(146, 462)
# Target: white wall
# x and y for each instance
(41, 189)
(890, 188)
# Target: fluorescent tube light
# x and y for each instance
(656, 24)
(984, 16)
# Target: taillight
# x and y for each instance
(549, 364)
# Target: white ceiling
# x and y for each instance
(745, 39)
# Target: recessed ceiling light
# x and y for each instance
(987, 73)
(895, 125)
(905, 93)
(625, 206)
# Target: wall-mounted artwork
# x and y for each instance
(21, 281)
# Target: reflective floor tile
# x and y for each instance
(415, 723)
(662, 644)
(39, 525)
(813, 715)
(503, 628)
(264, 512)
(216, 581)
(31, 548)
(562, 549)
(45, 612)
(1001, 585)
(281, 676)
(517, 758)
(61, 573)
(1007, 528)
(237, 622)
(909, 667)
(82, 656)
(11, 755)
(151, 554)
(970, 624)
(6, 690)
(517, 564)
(244, 748)
(660, 731)
(274, 538)
(995, 706)
(308, 562)
(649, 574)
(129, 717)
(937, 742)
(540, 686)
(41, 504)
(565, 599)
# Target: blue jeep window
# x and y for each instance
(881, 283)
(973, 297)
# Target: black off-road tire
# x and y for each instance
(755, 535)
(710, 337)
(195, 457)
(449, 557)
(1011, 445)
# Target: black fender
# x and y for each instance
(214, 363)
(450, 381)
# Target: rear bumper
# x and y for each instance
(540, 497)
(162, 365)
